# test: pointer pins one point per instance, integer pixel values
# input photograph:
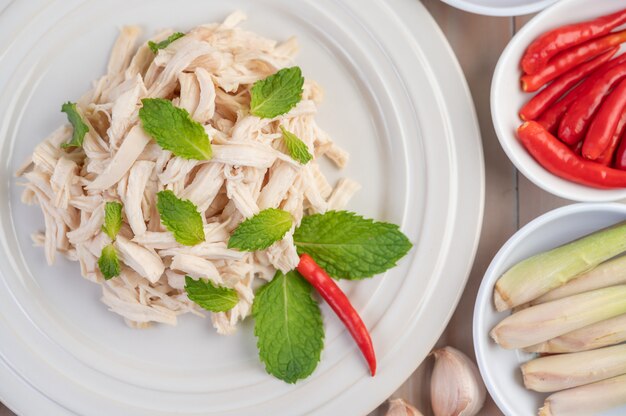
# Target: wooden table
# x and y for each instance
(511, 200)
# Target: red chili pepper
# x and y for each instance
(607, 156)
(339, 302)
(602, 128)
(557, 40)
(571, 58)
(559, 159)
(576, 121)
(546, 97)
(551, 118)
(620, 154)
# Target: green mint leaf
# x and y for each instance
(154, 47)
(79, 126)
(108, 263)
(296, 147)
(261, 231)
(349, 246)
(112, 219)
(277, 94)
(288, 326)
(210, 297)
(174, 130)
(181, 218)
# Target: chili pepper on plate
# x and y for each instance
(549, 95)
(602, 128)
(551, 43)
(570, 58)
(339, 302)
(560, 160)
(576, 121)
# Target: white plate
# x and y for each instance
(395, 99)
(500, 367)
(507, 97)
(501, 7)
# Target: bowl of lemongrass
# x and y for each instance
(550, 315)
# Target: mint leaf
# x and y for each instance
(174, 130)
(108, 263)
(288, 326)
(277, 94)
(154, 47)
(261, 231)
(296, 147)
(349, 246)
(181, 218)
(210, 297)
(112, 219)
(80, 128)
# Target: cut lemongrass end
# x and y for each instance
(541, 323)
(610, 273)
(602, 334)
(539, 274)
(590, 399)
(564, 371)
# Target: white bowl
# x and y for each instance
(500, 367)
(507, 97)
(500, 7)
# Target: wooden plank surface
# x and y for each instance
(511, 200)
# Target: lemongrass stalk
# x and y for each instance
(610, 273)
(541, 323)
(587, 400)
(539, 274)
(565, 371)
(601, 334)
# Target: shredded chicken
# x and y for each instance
(208, 72)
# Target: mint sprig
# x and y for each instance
(154, 46)
(79, 126)
(112, 219)
(181, 218)
(210, 297)
(349, 246)
(298, 150)
(261, 231)
(277, 94)
(288, 326)
(108, 263)
(174, 129)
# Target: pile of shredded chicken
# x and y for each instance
(209, 72)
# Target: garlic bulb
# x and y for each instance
(399, 407)
(456, 388)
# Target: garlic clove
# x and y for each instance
(456, 388)
(399, 407)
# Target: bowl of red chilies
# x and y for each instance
(558, 100)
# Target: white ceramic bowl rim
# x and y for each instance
(507, 98)
(504, 10)
(486, 288)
